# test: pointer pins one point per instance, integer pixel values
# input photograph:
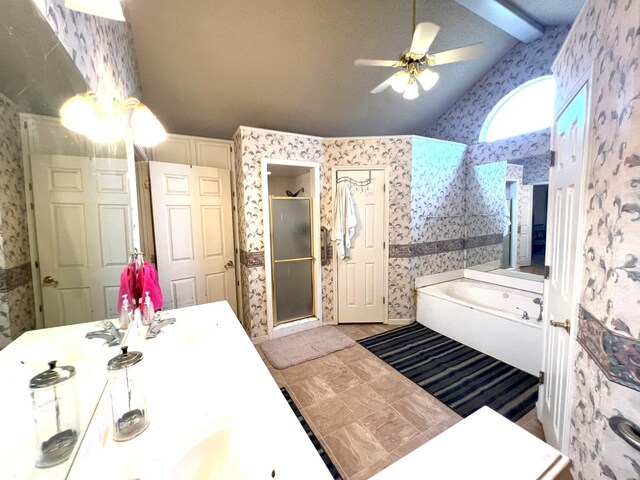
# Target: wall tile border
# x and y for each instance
(442, 246)
(251, 259)
(12, 278)
(618, 356)
(484, 240)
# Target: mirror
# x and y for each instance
(506, 205)
(67, 231)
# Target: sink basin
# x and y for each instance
(230, 452)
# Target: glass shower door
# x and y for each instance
(292, 260)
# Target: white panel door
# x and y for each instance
(525, 204)
(565, 192)
(360, 287)
(83, 229)
(194, 234)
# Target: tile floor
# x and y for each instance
(365, 413)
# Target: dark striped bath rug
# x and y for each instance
(462, 378)
(312, 436)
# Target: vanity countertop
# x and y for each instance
(26, 357)
(202, 374)
(483, 446)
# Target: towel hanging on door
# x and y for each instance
(344, 220)
(138, 278)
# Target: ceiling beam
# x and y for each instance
(506, 17)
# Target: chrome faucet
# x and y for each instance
(109, 334)
(157, 324)
(525, 315)
(538, 301)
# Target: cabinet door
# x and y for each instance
(174, 150)
(211, 153)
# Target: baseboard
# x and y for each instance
(400, 321)
(260, 339)
(296, 327)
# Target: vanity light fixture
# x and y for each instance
(106, 122)
(111, 9)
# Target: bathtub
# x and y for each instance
(484, 316)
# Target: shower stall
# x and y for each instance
(292, 258)
(291, 193)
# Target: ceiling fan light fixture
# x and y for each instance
(412, 91)
(400, 81)
(428, 78)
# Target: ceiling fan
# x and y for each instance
(415, 64)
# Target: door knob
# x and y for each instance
(229, 264)
(566, 324)
(49, 280)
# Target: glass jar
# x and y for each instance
(55, 412)
(126, 388)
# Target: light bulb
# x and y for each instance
(84, 114)
(412, 91)
(77, 113)
(147, 129)
(428, 78)
(399, 81)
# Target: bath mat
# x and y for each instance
(462, 378)
(300, 347)
(312, 436)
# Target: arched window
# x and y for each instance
(525, 109)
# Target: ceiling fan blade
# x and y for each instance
(384, 85)
(459, 54)
(364, 62)
(423, 37)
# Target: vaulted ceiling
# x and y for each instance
(207, 67)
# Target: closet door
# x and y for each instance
(361, 286)
(83, 219)
(194, 234)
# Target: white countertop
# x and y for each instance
(483, 446)
(200, 374)
(26, 357)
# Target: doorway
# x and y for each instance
(561, 289)
(361, 276)
(291, 191)
(539, 220)
(194, 234)
(82, 210)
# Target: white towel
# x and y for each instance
(344, 219)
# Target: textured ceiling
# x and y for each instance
(207, 67)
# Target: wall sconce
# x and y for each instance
(106, 122)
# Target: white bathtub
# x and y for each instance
(484, 316)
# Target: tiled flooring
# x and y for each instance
(366, 414)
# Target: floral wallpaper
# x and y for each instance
(485, 199)
(16, 310)
(510, 150)
(606, 36)
(251, 146)
(536, 168)
(516, 172)
(426, 220)
(524, 62)
(102, 49)
(394, 152)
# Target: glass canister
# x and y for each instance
(126, 387)
(55, 412)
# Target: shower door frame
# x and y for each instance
(314, 167)
(311, 258)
